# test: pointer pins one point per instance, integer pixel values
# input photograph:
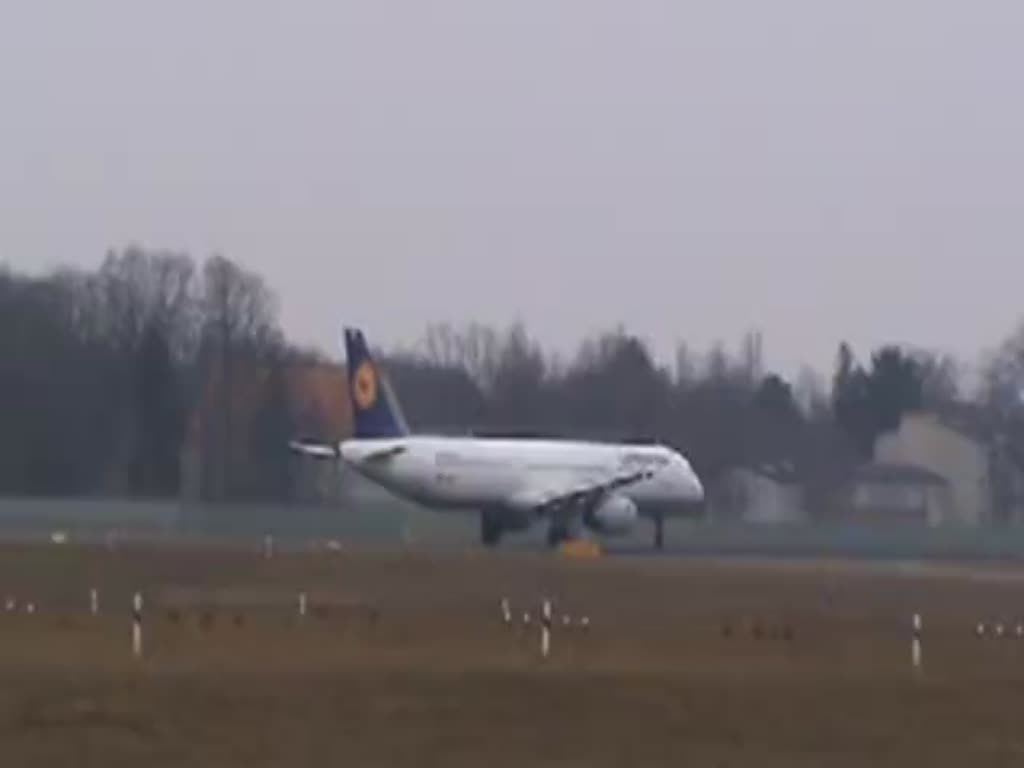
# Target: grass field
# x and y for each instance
(403, 659)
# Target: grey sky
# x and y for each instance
(815, 169)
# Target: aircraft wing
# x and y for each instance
(315, 450)
(560, 493)
(326, 451)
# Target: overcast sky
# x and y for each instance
(818, 170)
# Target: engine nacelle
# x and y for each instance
(613, 515)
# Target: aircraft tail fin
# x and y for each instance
(375, 409)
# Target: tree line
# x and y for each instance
(102, 372)
(108, 374)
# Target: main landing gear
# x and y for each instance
(659, 532)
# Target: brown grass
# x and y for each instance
(404, 660)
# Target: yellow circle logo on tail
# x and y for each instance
(365, 385)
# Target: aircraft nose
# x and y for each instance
(698, 486)
(694, 486)
(688, 478)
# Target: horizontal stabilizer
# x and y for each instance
(315, 450)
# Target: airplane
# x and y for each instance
(513, 483)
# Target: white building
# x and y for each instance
(984, 484)
(892, 493)
(769, 493)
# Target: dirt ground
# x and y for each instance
(404, 659)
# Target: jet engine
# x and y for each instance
(613, 515)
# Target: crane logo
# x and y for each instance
(365, 385)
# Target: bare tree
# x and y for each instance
(238, 324)
(1002, 386)
(941, 377)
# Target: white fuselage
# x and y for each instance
(513, 474)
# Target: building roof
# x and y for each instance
(897, 474)
(967, 419)
(974, 423)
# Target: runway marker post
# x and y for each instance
(545, 628)
(302, 603)
(94, 601)
(915, 642)
(137, 625)
(506, 611)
